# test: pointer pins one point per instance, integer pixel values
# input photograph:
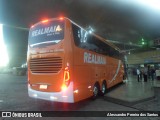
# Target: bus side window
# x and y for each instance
(89, 42)
(76, 35)
(114, 53)
(84, 35)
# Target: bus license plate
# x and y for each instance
(43, 86)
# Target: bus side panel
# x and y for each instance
(87, 74)
(81, 82)
(116, 74)
(119, 77)
(82, 76)
(69, 52)
(110, 72)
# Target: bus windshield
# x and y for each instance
(46, 33)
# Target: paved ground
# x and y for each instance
(14, 97)
(133, 92)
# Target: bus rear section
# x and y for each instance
(48, 65)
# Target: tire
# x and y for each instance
(104, 88)
(95, 91)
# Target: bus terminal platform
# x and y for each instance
(132, 92)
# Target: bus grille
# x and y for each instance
(46, 65)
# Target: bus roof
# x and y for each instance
(97, 36)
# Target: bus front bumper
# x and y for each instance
(63, 96)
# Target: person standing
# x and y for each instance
(141, 73)
(158, 74)
(145, 74)
(138, 74)
(152, 73)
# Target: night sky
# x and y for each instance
(111, 19)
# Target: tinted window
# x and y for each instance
(85, 40)
(50, 32)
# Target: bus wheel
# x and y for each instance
(104, 88)
(95, 91)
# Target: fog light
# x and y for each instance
(34, 95)
(65, 96)
(64, 87)
(53, 98)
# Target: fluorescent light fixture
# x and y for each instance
(155, 4)
(90, 31)
(149, 4)
(4, 60)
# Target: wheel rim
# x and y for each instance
(103, 88)
(95, 91)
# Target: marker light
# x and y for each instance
(66, 78)
(76, 91)
(61, 18)
(32, 26)
(66, 74)
(44, 21)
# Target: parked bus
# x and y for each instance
(66, 63)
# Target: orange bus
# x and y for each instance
(66, 63)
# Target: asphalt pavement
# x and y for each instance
(14, 97)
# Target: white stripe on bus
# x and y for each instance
(117, 71)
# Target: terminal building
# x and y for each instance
(72, 50)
